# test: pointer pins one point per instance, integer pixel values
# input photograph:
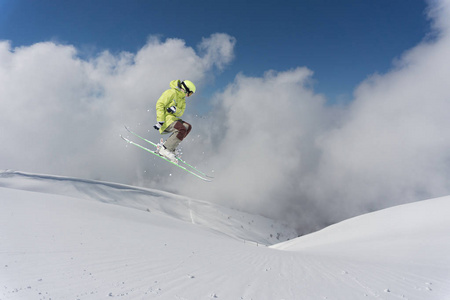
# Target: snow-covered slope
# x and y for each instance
(231, 222)
(62, 238)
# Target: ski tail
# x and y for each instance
(194, 168)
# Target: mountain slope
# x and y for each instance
(56, 246)
(231, 222)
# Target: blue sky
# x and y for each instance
(342, 42)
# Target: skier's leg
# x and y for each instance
(180, 130)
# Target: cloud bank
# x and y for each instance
(281, 150)
(276, 147)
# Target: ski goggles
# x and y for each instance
(188, 91)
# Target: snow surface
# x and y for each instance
(66, 238)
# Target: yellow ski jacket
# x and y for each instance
(172, 97)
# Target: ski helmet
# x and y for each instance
(188, 86)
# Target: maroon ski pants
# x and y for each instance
(179, 130)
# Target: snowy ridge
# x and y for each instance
(410, 224)
(234, 223)
(63, 238)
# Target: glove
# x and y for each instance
(158, 125)
(172, 109)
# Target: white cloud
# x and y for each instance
(217, 50)
(262, 131)
(394, 141)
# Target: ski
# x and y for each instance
(156, 154)
(178, 158)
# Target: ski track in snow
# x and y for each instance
(61, 238)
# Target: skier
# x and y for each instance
(169, 108)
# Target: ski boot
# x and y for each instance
(162, 151)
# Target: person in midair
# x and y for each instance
(169, 109)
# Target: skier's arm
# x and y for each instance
(161, 104)
(180, 110)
